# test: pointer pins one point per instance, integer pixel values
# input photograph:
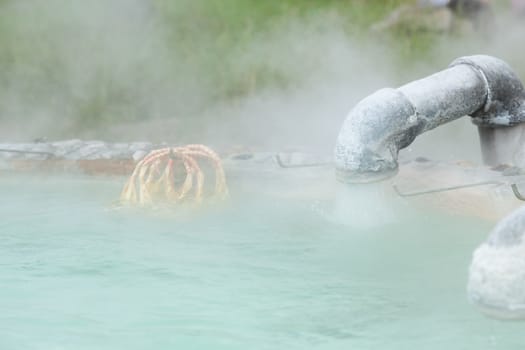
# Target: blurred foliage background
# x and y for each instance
(76, 68)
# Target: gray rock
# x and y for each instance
(138, 155)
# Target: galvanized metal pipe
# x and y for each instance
(496, 282)
(482, 87)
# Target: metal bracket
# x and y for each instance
(283, 165)
(516, 192)
(48, 154)
(442, 189)
(513, 186)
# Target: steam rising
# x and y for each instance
(121, 70)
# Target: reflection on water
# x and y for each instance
(258, 274)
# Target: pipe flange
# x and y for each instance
(505, 99)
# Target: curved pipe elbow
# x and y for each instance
(496, 282)
(380, 125)
(372, 134)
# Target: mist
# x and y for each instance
(122, 70)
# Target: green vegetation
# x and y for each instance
(89, 63)
(213, 34)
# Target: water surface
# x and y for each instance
(257, 273)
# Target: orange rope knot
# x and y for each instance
(174, 175)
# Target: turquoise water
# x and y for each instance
(259, 273)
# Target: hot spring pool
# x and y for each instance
(260, 273)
